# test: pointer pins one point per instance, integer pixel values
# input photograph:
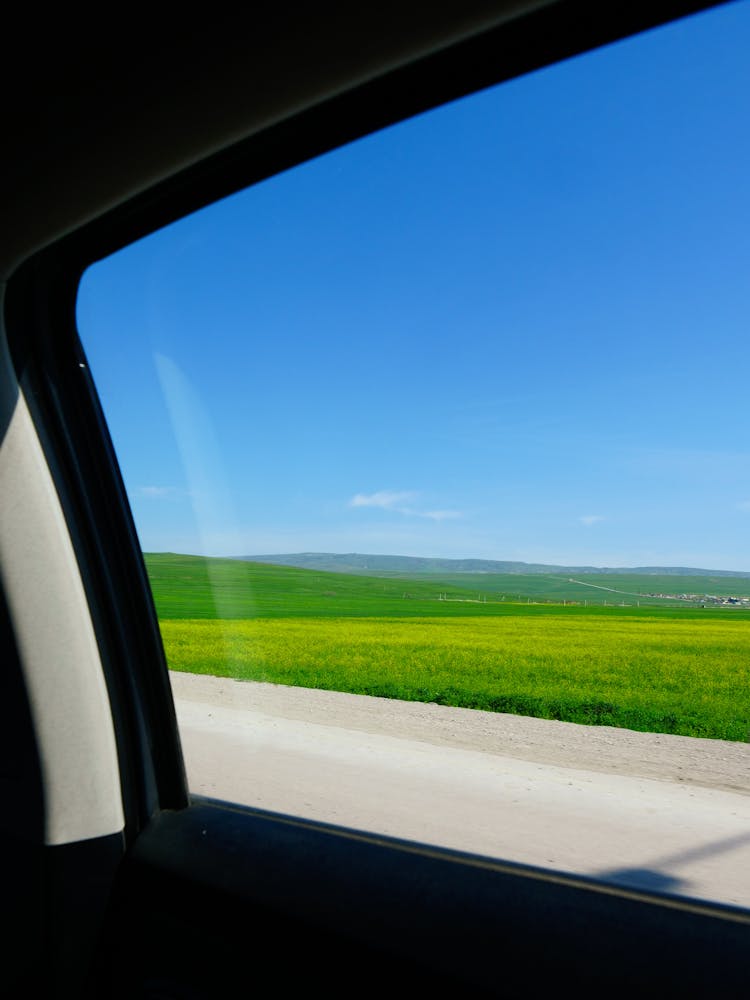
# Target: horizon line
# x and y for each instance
(700, 570)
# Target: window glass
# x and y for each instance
(437, 448)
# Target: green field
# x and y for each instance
(194, 587)
(674, 668)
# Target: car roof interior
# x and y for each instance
(111, 114)
(111, 131)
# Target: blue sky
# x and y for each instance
(512, 328)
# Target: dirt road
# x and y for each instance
(659, 812)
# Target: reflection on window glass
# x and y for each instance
(454, 418)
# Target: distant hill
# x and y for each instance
(354, 562)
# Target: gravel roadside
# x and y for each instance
(715, 764)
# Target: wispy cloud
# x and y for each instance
(440, 515)
(744, 505)
(401, 502)
(383, 498)
(157, 492)
(589, 519)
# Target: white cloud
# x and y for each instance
(156, 492)
(383, 498)
(589, 519)
(744, 505)
(400, 503)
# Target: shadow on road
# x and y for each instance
(659, 878)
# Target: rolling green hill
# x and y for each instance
(196, 587)
(378, 565)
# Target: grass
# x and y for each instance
(194, 587)
(653, 669)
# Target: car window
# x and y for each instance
(436, 446)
